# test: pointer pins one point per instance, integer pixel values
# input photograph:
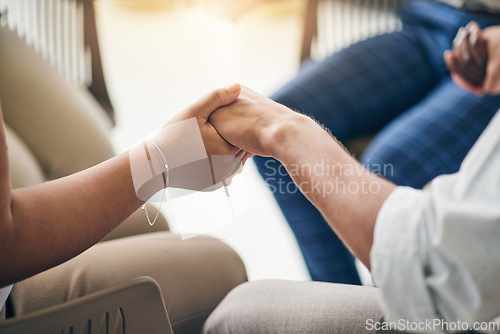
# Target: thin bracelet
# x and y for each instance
(165, 183)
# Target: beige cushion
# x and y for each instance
(64, 127)
(289, 307)
(23, 167)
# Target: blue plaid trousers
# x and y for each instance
(397, 86)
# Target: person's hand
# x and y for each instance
(474, 63)
(201, 111)
(255, 123)
(468, 60)
(492, 81)
(198, 158)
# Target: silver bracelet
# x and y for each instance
(165, 183)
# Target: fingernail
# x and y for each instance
(234, 88)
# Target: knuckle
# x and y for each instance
(494, 69)
(217, 95)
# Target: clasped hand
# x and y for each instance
(474, 62)
(209, 142)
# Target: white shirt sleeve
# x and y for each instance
(436, 252)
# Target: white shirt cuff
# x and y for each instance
(398, 258)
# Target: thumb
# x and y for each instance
(217, 98)
(449, 59)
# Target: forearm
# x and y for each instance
(44, 225)
(315, 161)
(348, 195)
(54, 221)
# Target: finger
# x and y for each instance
(230, 149)
(459, 37)
(217, 98)
(479, 92)
(475, 69)
(462, 83)
(247, 156)
(476, 43)
(462, 51)
(215, 143)
(449, 59)
(240, 154)
(457, 73)
(243, 157)
(469, 55)
(471, 25)
(492, 81)
(474, 49)
(240, 169)
(456, 63)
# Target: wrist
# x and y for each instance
(158, 162)
(189, 164)
(147, 170)
(289, 137)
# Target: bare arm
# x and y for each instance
(47, 224)
(348, 196)
(54, 221)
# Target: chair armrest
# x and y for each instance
(140, 303)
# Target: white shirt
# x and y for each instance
(436, 252)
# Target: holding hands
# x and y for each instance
(188, 152)
(474, 62)
(206, 144)
(257, 124)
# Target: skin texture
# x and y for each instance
(264, 127)
(474, 62)
(44, 225)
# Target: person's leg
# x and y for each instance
(361, 88)
(355, 91)
(296, 307)
(433, 137)
(194, 275)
